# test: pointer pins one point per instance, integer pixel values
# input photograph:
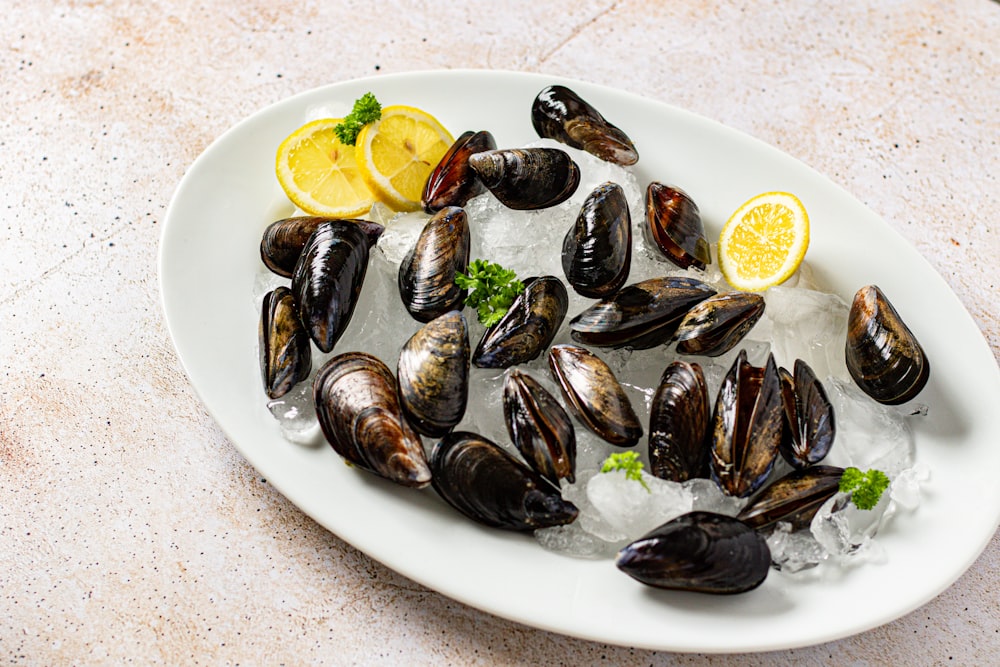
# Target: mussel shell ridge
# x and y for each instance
(794, 498)
(427, 273)
(539, 427)
(717, 324)
(283, 240)
(597, 250)
(528, 327)
(559, 113)
(673, 224)
(453, 182)
(678, 424)
(527, 178)
(809, 415)
(285, 351)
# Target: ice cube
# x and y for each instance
(905, 488)
(846, 532)
(808, 325)
(632, 509)
(868, 434)
(708, 497)
(794, 551)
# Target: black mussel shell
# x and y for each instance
(453, 182)
(433, 374)
(327, 280)
(594, 394)
(794, 498)
(699, 551)
(539, 427)
(482, 481)
(528, 327)
(809, 415)
(597, 250)
(747, 426)
(559, 113)
(673, 224)
(358, 410)
(883, 356)
(719, 323)
(283, 240)
(678, 424)
(427, 273)
(641, 315)
(285, 351)
(527, 178)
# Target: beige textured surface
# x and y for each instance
(131, 530)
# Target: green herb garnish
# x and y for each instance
(627, 461)
(366, 110)
(492, 289)
(865, 487)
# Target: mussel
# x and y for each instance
(285, 351)
(717, 324)
(433, 374)
(673, 224)
(559, 113)
(809, 415)
(794, 498)
(482, 481)
(358, 410)
(699, 551)
(528, 327)
(594, 394)
(427, 273)
(539, 427)
(597, 250)
(283, 240)
(527, 178)
(678, 424)
(328, 278)
(883, 356)
(453, 182)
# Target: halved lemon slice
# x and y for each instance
(763, 242)
(397, 153)
(320, 174)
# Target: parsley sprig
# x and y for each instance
(492, 289)
(865, 487)
(366, 110)
(627, 461)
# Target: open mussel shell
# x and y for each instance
(883, 356)
(597, 250)
(594, 394)
(673, 224)
(809, 415)
(678, 424)
(453, 182)
(528, 327)
(795, 498)
(699, 551)
(433, 374)
(283, 240)
(641, 315)
(747, 426)
(527, 178)
(427, 273)
(358, 410)
(539, 427)
(327, 280)
(719, 323)
(482, 481)
(285, 351)
(559, 113)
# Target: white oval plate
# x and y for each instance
(209, 257)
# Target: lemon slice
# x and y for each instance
(397, 153)
(320, 174)
(763, 242)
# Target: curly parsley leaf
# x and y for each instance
(366, 110)
(865, 487)
(492, 289)
(627, 461)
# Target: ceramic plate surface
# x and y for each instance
(209, 260)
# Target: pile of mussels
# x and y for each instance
(375, 420)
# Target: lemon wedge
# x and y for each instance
(397, 153)
(320, 174)
(764, 241)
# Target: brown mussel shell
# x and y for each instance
(484, 482)
(719, 323)
(285, 351)
(597, 250)
(883, 356)
(283, 240)
(427, 273)
(358, 409)
(453, 182)
(327, 280)
(528, 327)
(809, 416)
(559, 113)
(673, 224)
(433, 375)
(539, 427)
(594, 394)
(747, 426)
(678, 424)
(699, 551)
(527, 178)
(641, 315)
(794, 498)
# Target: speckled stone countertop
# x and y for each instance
(132, 531)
